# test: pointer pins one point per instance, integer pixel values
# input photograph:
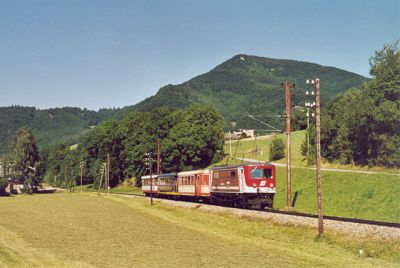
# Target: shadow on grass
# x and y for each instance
(45, 191)
(295, 198)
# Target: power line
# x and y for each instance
(268, 125)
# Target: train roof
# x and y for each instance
(154, 176)
(248, 164)
(167, 175)
(191, 172)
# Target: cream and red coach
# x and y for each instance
(247, 186)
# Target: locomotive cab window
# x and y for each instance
(261, 173)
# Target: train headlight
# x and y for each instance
(254, 184)
(271, 185)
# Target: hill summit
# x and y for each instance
(248, 84)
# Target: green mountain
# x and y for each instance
(240, 86)
(252, 85)
(50, 126)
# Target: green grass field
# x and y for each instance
(355, 195)
(259, 149)
(83, 230)
(347, 194)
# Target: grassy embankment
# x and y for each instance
(347, 194)
(84, 230)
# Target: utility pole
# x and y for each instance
(317, 104)
(230, 144)
(308, 126)
(151, 178)
(108, 173)
(81, 173)
(288, 147)
(65, 177)
(319, 179)
(149, 163)
(158, 157)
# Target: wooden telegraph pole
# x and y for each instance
(317, 104)
(288, 147)
(318, 162)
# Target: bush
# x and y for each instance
(276, 149)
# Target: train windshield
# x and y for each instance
(261, 173)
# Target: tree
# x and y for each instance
(276, 149)
(25, 158)
(190, 139)
(107, 138)
(362, 126)
(196, 141)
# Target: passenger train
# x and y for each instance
(247, 186)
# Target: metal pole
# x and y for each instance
(108, 173)
(230, 144)
(158, 157)
(151, 179)
(81, 166)
(65, 177)
(318, 162)
(288, 143)
(308, 134)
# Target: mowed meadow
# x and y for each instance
(87, 230)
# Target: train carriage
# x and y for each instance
(149, 184)
(194, 183)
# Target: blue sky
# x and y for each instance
(98, 54)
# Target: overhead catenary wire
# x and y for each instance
(266, 124)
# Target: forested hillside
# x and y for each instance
(251, 85)
(50, 126)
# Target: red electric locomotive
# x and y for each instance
(248, 186)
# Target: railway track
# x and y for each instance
(300, 214)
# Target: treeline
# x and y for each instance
(50, 126)
(362, 126)
(191, 138)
